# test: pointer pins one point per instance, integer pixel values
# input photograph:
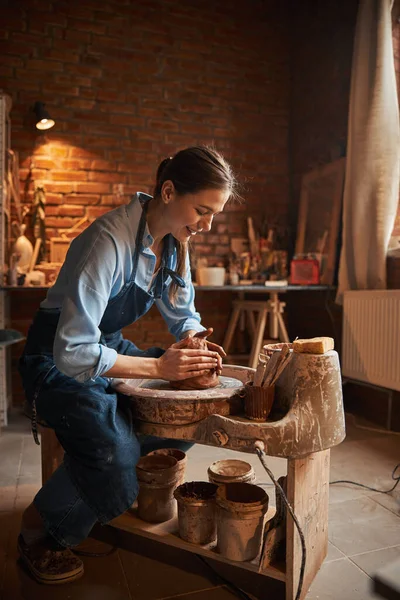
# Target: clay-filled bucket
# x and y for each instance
(158, 477)
(197, 512)
(241, 509)
(231, 471)
(180, 457)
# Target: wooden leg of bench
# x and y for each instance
(52, 453)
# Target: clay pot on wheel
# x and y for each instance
(202, 382)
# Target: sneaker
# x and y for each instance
(49, 562)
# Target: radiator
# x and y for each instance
(371, 337)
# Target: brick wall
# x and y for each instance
(129, 83)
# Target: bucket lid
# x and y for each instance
(228, 468)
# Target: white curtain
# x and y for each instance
(371, 189)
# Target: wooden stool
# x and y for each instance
(272, 307)
(51, 450)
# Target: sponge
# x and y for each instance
(318, 345)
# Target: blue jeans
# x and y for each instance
(66, 516)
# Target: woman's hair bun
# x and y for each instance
(162, 166)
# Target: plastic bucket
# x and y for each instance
(231, 471)
(241, 509)
(197, 512)
(158, 477)
(179, 455)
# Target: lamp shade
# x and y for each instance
(43, 119)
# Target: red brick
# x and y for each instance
(69, 175)
(50, 66)
(59, 222)
(80, 37)
(127, 120)
(102, 165)
(158, 125)
(81, 103)
(82, 199)
(93, 188)
(61, 187)
(59, 151)
(75, 164)
(95, 211)
(107, 177)
(90, 26)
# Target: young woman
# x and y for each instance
(127, 260)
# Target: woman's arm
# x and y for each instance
(175, 364)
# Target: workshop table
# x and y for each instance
(270, 310)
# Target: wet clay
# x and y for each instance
(210, 379)
(198, 490)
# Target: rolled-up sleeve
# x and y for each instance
(180, 316)
(78, 352)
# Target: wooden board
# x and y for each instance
(167, 533)
(308, 494)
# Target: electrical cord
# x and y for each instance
(261, 454)
(367, 487)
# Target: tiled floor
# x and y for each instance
(364, 530)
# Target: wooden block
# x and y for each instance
(318, 345)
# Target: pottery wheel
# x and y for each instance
(158, 388)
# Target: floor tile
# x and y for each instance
(390, 501)
(372, 462)
(30, 469)
(10, 452)
(371, 562)
(362, 525)
(104, 578)
(178, 572)
(341, 580)
(333, 553)
(8, 495)
(217, 593)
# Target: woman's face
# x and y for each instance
(189, 214)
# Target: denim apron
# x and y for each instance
(92, 422)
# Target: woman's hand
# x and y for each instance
(177, 364)
(210, 345)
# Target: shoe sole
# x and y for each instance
(51, 579)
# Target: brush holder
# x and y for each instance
(258, 402)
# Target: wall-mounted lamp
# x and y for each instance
(43, 119)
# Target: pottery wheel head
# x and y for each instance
(225, 383)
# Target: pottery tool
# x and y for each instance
(284, 363)
(259, 374)
(277, 367)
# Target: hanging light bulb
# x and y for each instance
(43, 119)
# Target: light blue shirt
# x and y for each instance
(98, 264)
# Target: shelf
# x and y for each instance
(167, 533)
